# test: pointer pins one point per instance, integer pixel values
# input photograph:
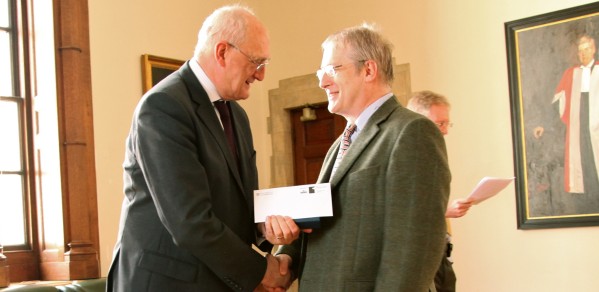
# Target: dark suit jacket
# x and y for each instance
(389, 193)
(187, 217)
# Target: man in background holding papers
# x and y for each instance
(389, 180)
(436, 107)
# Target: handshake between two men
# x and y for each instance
(278, 230)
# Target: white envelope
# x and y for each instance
(297, 202)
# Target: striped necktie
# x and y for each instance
(345, 142)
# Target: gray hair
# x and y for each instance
(225, 23)
(366, 44)
(422, 101)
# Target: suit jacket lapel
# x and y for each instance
(206, 113)
(358, 146)
(245, 150)
(329, 161)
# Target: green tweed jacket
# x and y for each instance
(389, 193)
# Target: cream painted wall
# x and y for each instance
(448, 44)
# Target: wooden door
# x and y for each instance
(311, 141)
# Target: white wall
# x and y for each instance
(454, 47)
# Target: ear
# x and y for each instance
(371, 70)
(220, 52)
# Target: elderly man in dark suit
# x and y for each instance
(389, 178)
(190, 171)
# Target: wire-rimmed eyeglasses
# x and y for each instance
(444, 124)
(260, 63)
(331, 70)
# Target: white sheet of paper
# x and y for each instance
(488, 187)
(303, 201)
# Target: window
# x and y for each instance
(48, 215)
(13, 170)
(12, 173)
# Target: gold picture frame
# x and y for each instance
(155, 68)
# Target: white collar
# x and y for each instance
(589, 65)
(204, 80)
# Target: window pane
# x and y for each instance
(6, 84)
(4, 13)
(12, 219)
(10, 148)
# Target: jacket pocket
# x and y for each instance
(168, 266)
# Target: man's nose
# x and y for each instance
(260, 74)
(324, 81)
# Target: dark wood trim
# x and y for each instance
(77, 256)
(22, 262)
(76, 137)
(22, 265)
(4, 272)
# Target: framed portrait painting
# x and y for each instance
(155, 68)
(554, 96)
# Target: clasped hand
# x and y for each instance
(278, 230)
(277, 277)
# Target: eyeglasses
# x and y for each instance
(260, 64)
(444, 124)
(330, 70)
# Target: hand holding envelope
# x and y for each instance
(280, 230)
(284, 208)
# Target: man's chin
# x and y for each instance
(331, 108)
(241, 97)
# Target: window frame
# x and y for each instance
(77, 256)
(23, 258)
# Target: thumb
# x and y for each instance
(284, 263)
